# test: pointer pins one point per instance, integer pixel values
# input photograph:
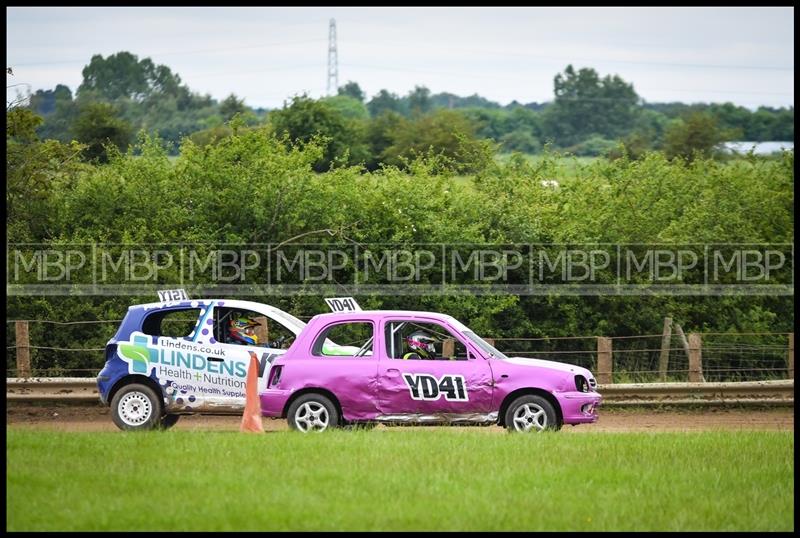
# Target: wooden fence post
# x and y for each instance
(663, 360)
(604, 362)
(695, 358)
(490, 341)
(23, 349)
(790, 356)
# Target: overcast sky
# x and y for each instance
(265, 55)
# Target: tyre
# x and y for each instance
(531, 413)
(168, 421)
(312, 412)
(136, 407)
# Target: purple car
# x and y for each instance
(418, 368)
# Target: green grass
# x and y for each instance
(397, 479)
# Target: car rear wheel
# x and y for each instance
(531, 413)
(136, 407)
(312, 413)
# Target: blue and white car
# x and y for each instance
(175, 357)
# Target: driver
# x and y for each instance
(242, 330)
(420, 345)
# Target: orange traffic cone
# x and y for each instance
(251, 419)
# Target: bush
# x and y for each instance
(520, 140)
(594, 146)
(253, 186)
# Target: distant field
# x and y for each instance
(566, 166)
(399, 479)
(569, 162)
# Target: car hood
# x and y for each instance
(553, 365)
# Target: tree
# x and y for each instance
(384, 101)
(58, 110)
(35, 170)
(123, 75)
(380, 135)
(21, 125)
(44, 102)
(352, 89)
(695, 134)
(646, 134)
(232, 106)
(419, 100)
(350, 107)
(443, 132)
(520, 140)
(305, 119)
(450, 100)
(586, 104)
(98, 125)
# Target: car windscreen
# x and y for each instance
(484, 345)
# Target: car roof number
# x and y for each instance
(343, 304)
(172, 295)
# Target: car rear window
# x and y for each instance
(177, 323)
(346, 339)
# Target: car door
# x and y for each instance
(458, 387)
(348, 370)
(229, 360)
(199, 373)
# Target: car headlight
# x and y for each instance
(581, 385)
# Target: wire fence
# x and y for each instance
(638, 359)
(747, 356)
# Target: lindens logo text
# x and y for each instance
(141, 356)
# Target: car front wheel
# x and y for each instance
(531, 413)
(312, 413)
(136, 407)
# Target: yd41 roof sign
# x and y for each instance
(342, 304)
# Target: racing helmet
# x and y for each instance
(242, 330)
(422, 344)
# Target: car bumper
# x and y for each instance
(273, 401)
(104, 384)
(579, 407)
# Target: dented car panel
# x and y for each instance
(352, 380)
(382, 387)
(433, 387)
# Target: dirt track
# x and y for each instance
(97, 418)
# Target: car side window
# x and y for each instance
(173, 323)
(245, 327)
(413, 340)
(352, 339)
